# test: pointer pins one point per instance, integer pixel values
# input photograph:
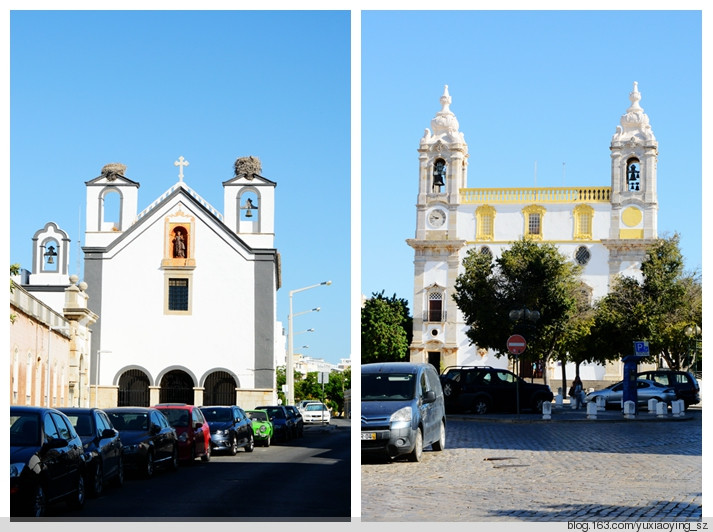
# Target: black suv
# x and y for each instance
(683, 382)
(482, 389)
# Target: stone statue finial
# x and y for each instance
(113, 170)
(248, 166)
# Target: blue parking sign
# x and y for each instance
(641, 347)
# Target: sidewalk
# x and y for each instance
(565, 413)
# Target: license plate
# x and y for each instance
(368, 435)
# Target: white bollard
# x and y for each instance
(652, 405)
(558, 400)
(592, 410)
(546, 410)
(601, 403)
(677, 408)
(630, 410)
(661, 409)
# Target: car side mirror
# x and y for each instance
(198, 425)
(155, 429)
(108, 433)
(429, 397)
(55, 443)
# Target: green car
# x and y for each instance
(262, 426)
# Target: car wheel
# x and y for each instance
(38, 502)
(119, 479)
(206, 456)
(97, 484)
(251, 445)
(481, 406)
(440, 444)
(537, 404)
(415, 455)
(149, 465)
(77, 500)
(233, 445)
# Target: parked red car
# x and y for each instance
(191, 428)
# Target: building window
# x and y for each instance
(583, 215)
(582, 255)
(485, 222)
(485, 250)
(435, 307)
(178, 295)
(534, 215)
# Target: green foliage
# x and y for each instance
(658, 309)
(531, 275)
(386, 329)
(307, 387)
(14, 270)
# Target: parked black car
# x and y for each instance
(103, 452)
(148, 439)
(482, 389)
(298, 420)
(46, 461)
(683, 382)
(230, 428)
(282, 424)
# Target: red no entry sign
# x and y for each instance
(516, 344)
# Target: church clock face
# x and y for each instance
(437, 218)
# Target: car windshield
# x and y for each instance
(387, 386)
(275, 412)
(129, 420)
(315, 406)
(177, 417)
(218, 414)
(25, 429)
(257, 416)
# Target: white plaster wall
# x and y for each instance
(219, 331)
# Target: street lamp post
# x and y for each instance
(289, 370)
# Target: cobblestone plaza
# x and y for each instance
(526, 469)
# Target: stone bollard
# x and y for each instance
(601, 403)
(677, 408)
(546, 410)
(558, 399)
(661, 409)
(630, 410)
(652, 405)
(592, 410)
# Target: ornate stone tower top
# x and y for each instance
(444, 124)
(635, 122)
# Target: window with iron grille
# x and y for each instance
(533, 224)
(435, 306)
(178, 294)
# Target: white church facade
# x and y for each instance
(605, 228)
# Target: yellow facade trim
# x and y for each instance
(583, 220)
(534, 221)
(631, 234)
(631, 217)
(536, 195)
(485, 222)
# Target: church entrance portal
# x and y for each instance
(219, 389)
(176, 387)
(133, 389)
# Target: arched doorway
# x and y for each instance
(219, 389)
(176, 387)
(133, 388)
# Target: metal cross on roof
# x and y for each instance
(181, 162)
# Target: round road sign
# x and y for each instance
(516, 344)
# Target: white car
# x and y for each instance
(316, 413)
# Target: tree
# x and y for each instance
(658, 309)
(386, 329)
(14, 270)
(528, 275)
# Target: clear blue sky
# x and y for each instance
(143, 88)
(529, 88)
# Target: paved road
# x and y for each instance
(531, 470)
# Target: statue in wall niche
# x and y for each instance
(247, 166)
(179, 246)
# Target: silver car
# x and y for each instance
(645, 390)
